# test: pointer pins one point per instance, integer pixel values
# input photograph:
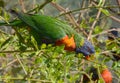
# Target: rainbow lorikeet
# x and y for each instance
(46, 29)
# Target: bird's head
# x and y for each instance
(87, 49)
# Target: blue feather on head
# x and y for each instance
(87, 49)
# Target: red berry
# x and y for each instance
(107, 76)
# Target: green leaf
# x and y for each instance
(43, 46)
(34, 43)
(118, 50)
(100, 2)
(114, 65)
(6, 42)
(59, 49)
(38, 60)
(82, 42)
(91, 19)
(22, 47)
(101, 80)
(106, 12)
(6, 16)
(97, 29)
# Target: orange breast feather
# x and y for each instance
(68, 42)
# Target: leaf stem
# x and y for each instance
(21, 64)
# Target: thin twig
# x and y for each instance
(94, 23)
(115, 18)
(22, 5)
(4, 32)
(1, 68)
(106, 32)
(69, 16)
(75, 10)
(20, 78)
(33, 5)
(40, 7)
(81, 13)
(12, 62)
(61, 9)
(118, 3)
(111, 16)
(16, 51)
(111, 8)
(21, 64)
(1, 18)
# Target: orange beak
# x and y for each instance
(90, 57)
(87, 57)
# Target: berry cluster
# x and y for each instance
(105, 74)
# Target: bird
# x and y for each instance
(50, 30)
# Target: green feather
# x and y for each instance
(79, 40)
(13, 23)
(46, 27)
(43, 25)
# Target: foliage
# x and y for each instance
(22, 61)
